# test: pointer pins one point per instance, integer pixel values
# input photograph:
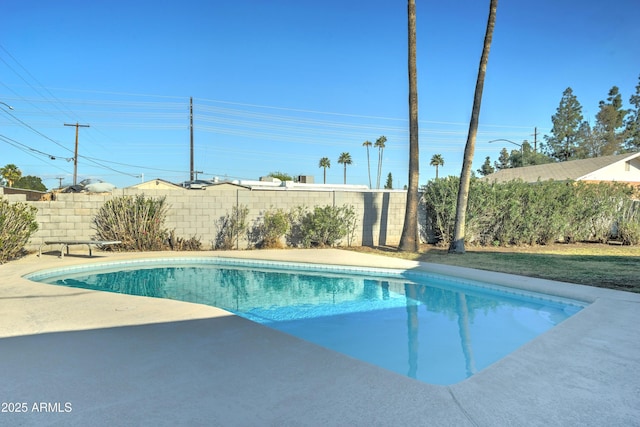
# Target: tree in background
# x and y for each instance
(281, 176)
(389, 183)
(609, 124)
(325, 163)
(486, 168)
(31, 182)
(632, 124)
(345, 159)
(436, 160)
(380, 144)
(503, 161)
(590, 144)
(368, 144)
(457, 243)
(563, 141)
(10, 173)
(409, 240)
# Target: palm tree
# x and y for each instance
(325, 163)
(368, 144)
(345, 159)
(457, 243)
(436, 161)
(10, 173)
(409, 240)
(380, 144)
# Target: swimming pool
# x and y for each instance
(433, 328)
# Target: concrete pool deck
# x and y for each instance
(82, 357)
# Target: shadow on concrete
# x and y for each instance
(217, 371)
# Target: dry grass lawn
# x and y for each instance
(602, 265)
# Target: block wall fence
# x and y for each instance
(379, 213)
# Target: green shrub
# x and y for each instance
(275, 225)
(17, 224)
(136, 221)
(628, 226)
(231, 226)
(519, 213)
(324, 226)
(439, 198)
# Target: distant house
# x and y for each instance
(157, 184)
(620, 168)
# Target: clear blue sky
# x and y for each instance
(279, 84)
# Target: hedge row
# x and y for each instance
(517, 213)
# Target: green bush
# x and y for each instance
(231, 226)
(519, 213)
(275, 225)
(628, 226)
(17, 224)
(136, 221)
(324, 226)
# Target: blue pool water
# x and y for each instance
(432, 328)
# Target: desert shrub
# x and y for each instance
(231, 226)
(323, 226)
(17, 224)
(136, 221)
(274, 226)
(177, 243)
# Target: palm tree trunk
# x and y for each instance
(409, 240)
(345, 173)
(379, 168)
(457, 243)
(325, 175)
(369, 166)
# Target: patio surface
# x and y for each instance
(79, 357)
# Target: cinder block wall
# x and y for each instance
(380, 214)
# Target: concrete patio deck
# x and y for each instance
(79, 357)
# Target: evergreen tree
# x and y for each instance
(486, 168)
(389, 184)
(563, 141)
(590, 142)
(632, 124)
(609, 121)
(503, 161)
(30, 182)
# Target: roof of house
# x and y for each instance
(573, 170)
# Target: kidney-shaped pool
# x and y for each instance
(434, 328)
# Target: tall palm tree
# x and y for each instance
(436, 161)
(325, 163)
(457, 243)
(409, 240)
(380, 144)
(368, 144)
(11, 174)
(345, 159)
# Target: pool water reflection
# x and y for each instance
(429, 328)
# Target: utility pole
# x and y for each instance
(535, 140)
(191, 171)
(75, 155)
